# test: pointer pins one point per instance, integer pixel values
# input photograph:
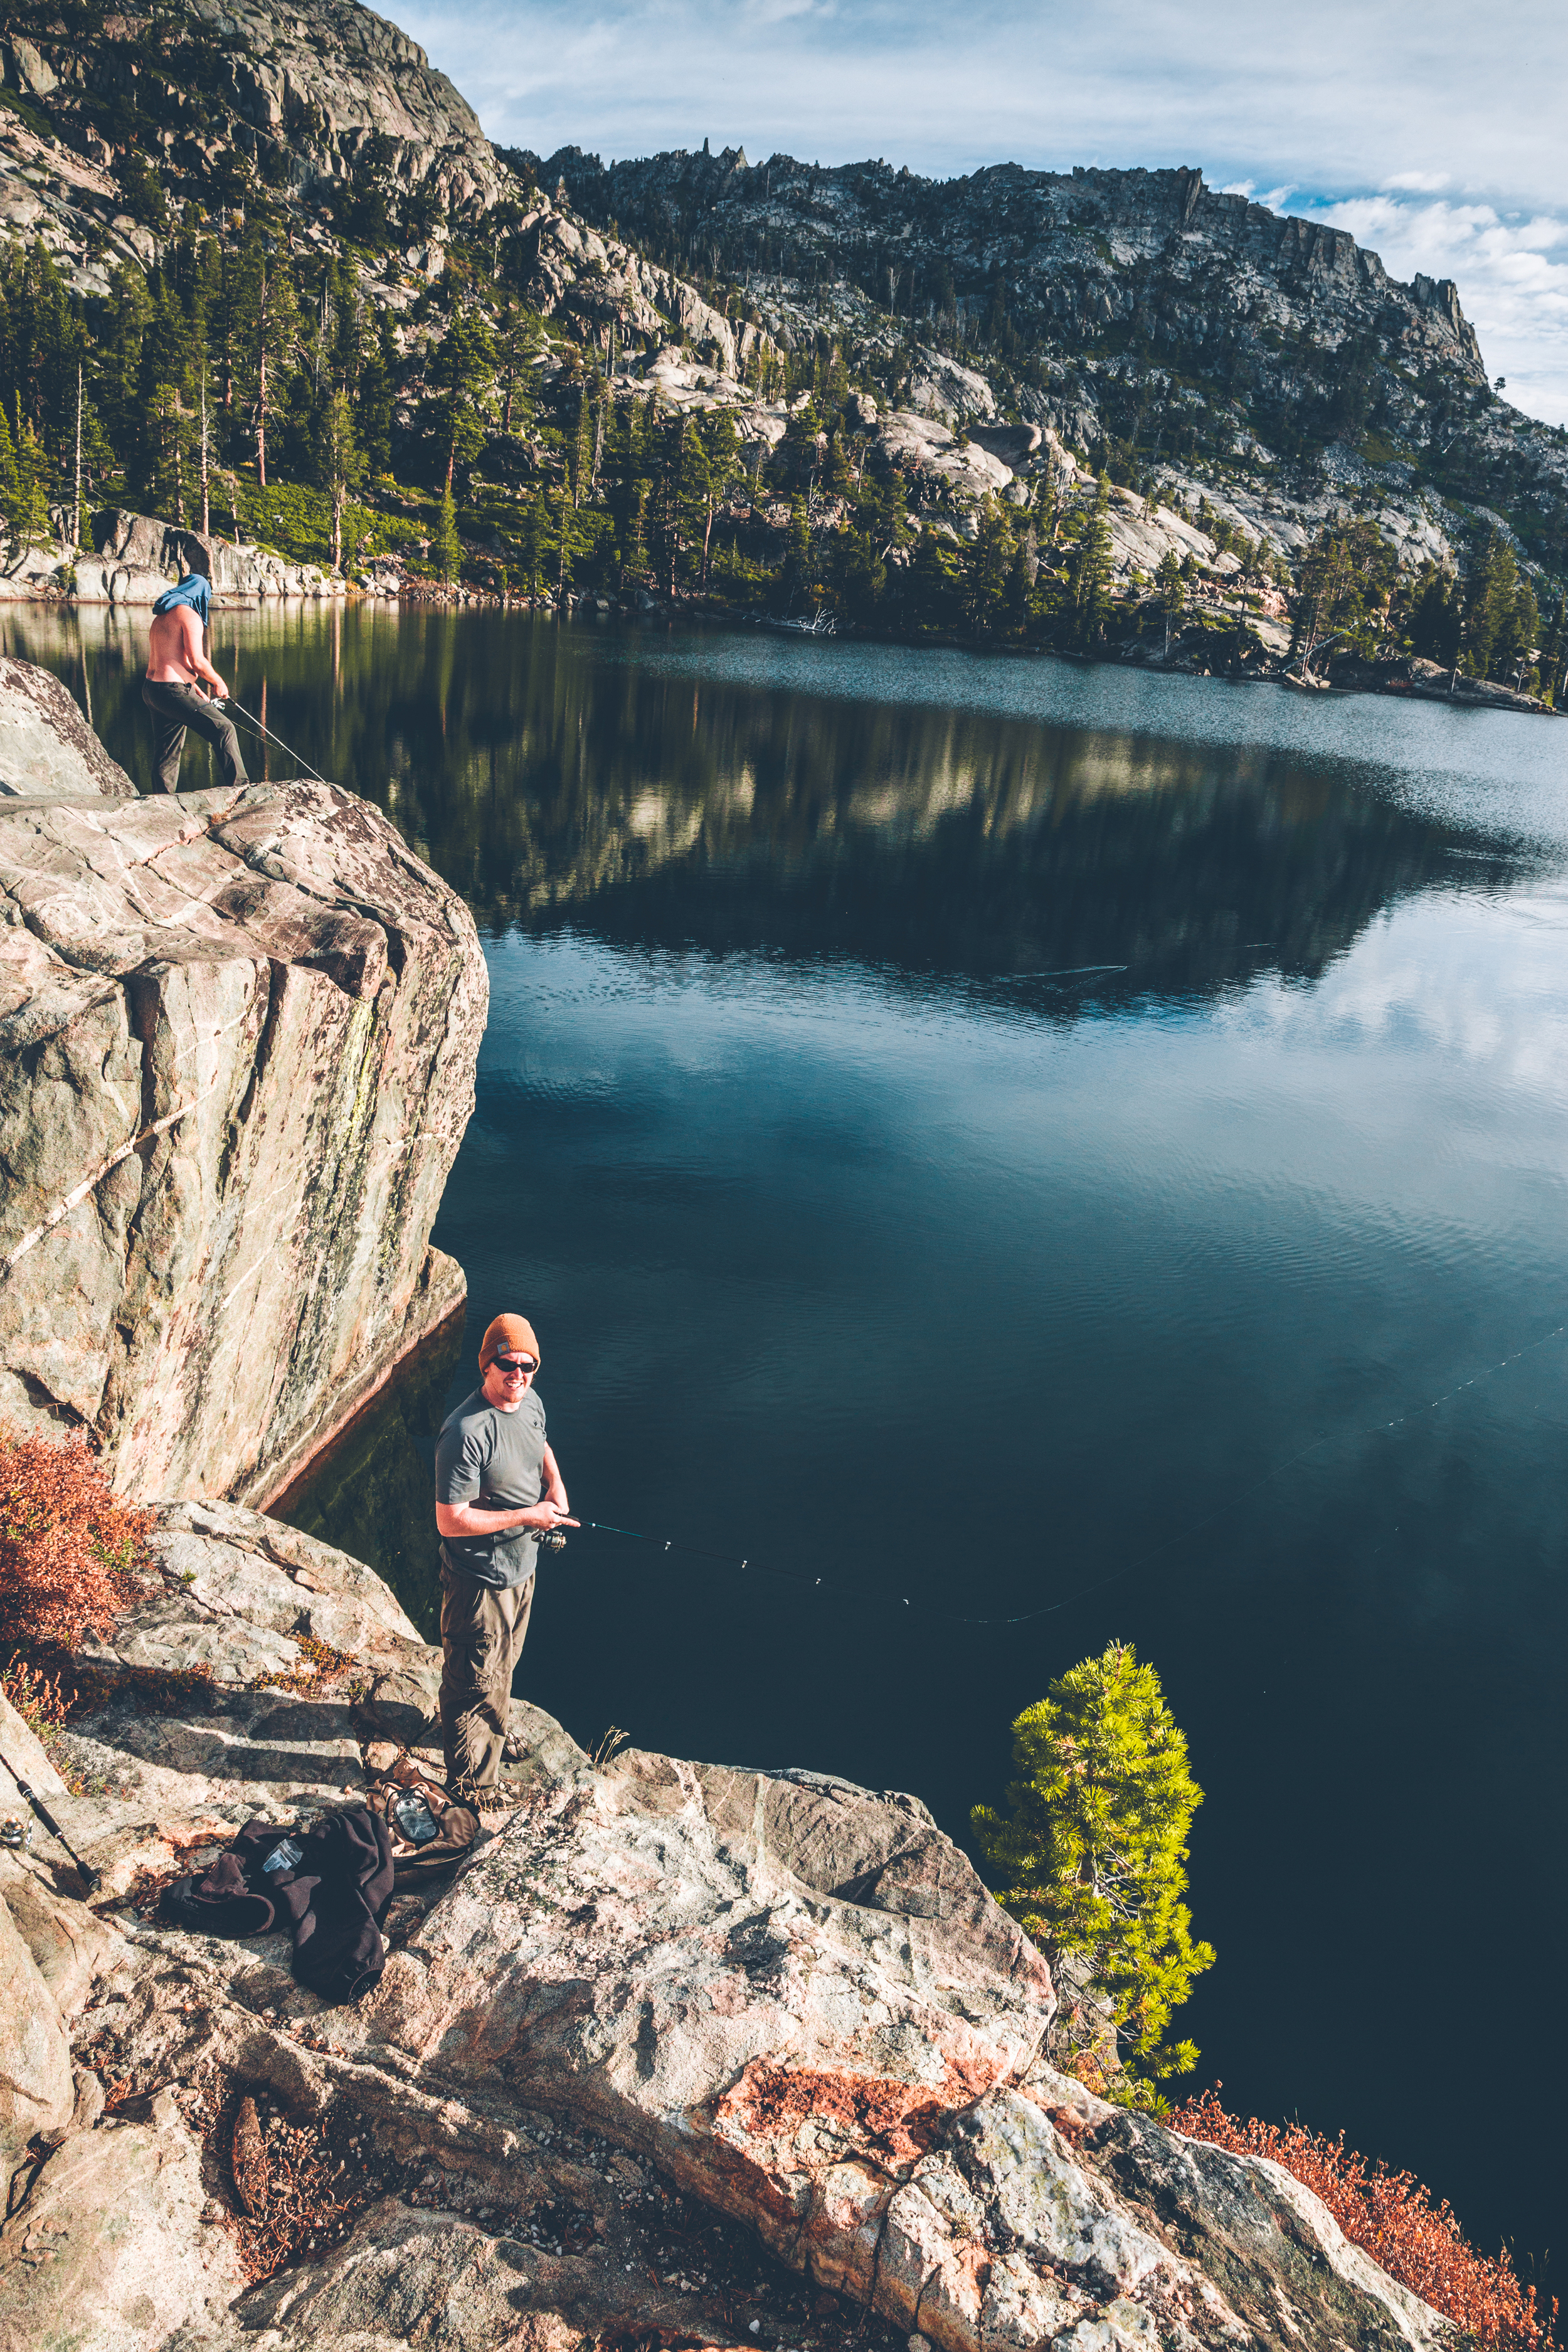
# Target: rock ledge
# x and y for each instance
(667, 2012)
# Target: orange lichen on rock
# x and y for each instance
(896, 2123)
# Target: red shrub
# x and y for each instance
(69, 1547)
(1392, 2219)
(41, 1700)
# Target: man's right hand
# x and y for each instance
(544, 1516)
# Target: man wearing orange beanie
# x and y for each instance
(498, 1489)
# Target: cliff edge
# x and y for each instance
(684, 2054)
(238, 1039)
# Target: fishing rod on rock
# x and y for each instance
(88, 1877)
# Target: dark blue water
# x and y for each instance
(1018, 1142)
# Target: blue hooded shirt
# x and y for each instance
(194, 591)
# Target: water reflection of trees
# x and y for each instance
(554, 778)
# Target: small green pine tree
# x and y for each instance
(1090, 1858)
(1173, 590)
(447, 547)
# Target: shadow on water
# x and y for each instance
(368, 1493)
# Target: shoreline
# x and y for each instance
(1405, 678)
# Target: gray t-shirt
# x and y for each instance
(496, 1460)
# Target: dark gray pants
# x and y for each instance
(482, 1633)
(175, 707)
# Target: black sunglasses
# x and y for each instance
(517, 1363)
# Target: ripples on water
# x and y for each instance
(1004, 1137)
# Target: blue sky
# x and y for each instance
(1434, 132)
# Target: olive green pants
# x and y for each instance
(482, 1634)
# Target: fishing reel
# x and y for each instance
(552, 1539)
(17, 1835)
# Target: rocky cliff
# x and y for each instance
(238, 1039)
(685, 2053)
(601, 287)
(1133, 311)
(1062, 256)
(224, 96)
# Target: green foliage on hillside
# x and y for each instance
(250, 381)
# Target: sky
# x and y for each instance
(1430, 129)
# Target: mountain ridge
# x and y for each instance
(1016, 332)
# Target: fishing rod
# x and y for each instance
(251, 720)
(88, 1877)
(555, 1539)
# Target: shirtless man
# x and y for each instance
(179, 681)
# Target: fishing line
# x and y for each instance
(256, 722)
(1058, 972)
(1185, 1534)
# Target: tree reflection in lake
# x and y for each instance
(556, 777)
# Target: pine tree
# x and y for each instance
(1554, 654)
(1345, 592)
(447, 547)
(1173, 590)
(1090, 571)
(932, 583)
(794, 578)
(534, 539)
(517, 344)
(721, 448)
(1090, 1858)
(8, 483)
(860, 576)
(24, 484)
(1433, 624)
(341, 466)
(1518, 639)
(375, 394)
(1490, 591)
(985, 572)
(462, 370)
(169, 446)
(267, 331)
(580, 456)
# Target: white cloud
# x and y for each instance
(1512, 275)
(1276, 199)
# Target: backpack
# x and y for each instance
(431, 1831)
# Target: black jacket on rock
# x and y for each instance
(334, 1898)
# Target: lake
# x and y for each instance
(1053, 1154)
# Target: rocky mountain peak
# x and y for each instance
(221, 93)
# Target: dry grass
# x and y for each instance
(288, 2190)
(1393, 2218)
(71, 1551)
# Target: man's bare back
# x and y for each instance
(175, 656)
(182, 689)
